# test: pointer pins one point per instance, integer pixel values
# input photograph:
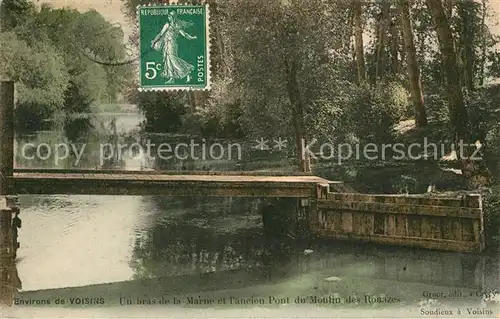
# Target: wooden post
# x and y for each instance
(6, 134)
(303, 216)
(8, 280)
(475, 201)
(6, 170)
(6, 247)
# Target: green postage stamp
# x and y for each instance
(174, 47)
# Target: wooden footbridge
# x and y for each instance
(115, 182)
(323, 206)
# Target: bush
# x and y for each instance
(31, 117)
(374, 112)
(163, 110)
(481, 114)
(436, 107)
(479, 106)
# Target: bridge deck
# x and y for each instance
(163, 183)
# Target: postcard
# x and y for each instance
(249, 159)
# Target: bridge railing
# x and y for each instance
(454, 224)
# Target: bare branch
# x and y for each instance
(109, 63)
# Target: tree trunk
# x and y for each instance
(383, 23)
(298, 117)
(221, 65)
(458, 113)
(449, 8)
(346, 38)
(449, 12)
(412, 65)
(358, 39)
(483, 45)
(394, 47)
(475, 172)
(403, 44)
(467, 38)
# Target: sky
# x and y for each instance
(113, 12)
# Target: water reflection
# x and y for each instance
(98, 134)
(189, 237)
(173, 244)
(199, 243)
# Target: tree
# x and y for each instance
(395, 46)
(14, 12)
(458, 112)
(41, 75)
(288, 66)
(383, 25)
(466, 12)
(41, 79)
(46, 52)
(412, 65)
(483, 43)
(358, 38)
(175, 106)
(78, 36)
(272, 59)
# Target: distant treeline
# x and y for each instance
(52, 53)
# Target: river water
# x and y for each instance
(127, 246)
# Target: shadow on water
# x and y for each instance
(205, 235)
(331, 269)
(200, 240)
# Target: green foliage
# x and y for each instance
(30, 117)
(78, 34)
(436, 106)
(14, 13)
(494, 67)
(492, 138)
(39, 71)
(373, 112)
(468, 30)
(481, 111)
(163, 110)
(50, 52)
(78, 102)
(492, 214)
(270, 40)
(223, 115)
(480, 108)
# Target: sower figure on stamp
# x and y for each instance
(173, 66)
(16, 223)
